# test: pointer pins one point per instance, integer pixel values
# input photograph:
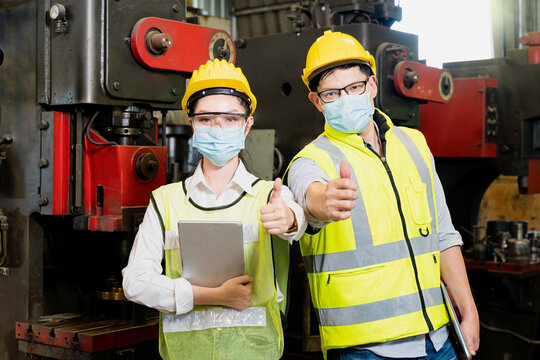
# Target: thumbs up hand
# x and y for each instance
(340, 194)
(276, 216)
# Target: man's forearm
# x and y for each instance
(454, 275)
(315, 201)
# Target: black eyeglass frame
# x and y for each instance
(343, 89)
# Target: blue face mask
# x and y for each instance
(349, 114)
(217, 144)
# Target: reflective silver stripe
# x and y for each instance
(433, 296)
(171, 240)
(214, 318)
(362, 232)
(366, 256)
(425, 175)
(379, 310)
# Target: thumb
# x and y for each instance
(344, 170)
(277, 191)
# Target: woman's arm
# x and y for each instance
(144, 282)
(235, 293)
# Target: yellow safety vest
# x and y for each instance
(375, 277)
(218, 332)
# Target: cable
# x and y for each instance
(510, 332)
(89, 125)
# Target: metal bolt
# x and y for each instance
(240, 43)
(43, 125)
(176, 8)
(43, 163)
(43, 201)
(173, 91)
(116, 85)
(6, 139)
(411, 114)
(76, 209)
(127, 40)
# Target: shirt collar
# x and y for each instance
(241, 178)
(244, 179)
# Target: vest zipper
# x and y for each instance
(407, 240)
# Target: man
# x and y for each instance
(382, 236)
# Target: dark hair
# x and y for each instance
(314, 83)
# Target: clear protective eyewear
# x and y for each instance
(356, 88)
(225, 120)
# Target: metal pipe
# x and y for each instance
(164, 128)
(79, 163)
(3, 238)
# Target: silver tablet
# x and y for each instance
(211, 252)
(455, 324)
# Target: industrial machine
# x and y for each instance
(480, 118)
(81, 83)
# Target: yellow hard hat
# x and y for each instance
(333, 49)
(218, 77)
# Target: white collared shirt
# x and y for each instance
(143, 279)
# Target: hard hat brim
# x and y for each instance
(217, 91)
(332, 65)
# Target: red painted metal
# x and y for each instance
(86, 335)
(428, 85)
(190, 44)
(457, 128)
(534, 177)
(61, 155)
(493, 267)
(532, 40)
(113, 167)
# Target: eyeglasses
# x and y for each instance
(356, 88)
(225, 120)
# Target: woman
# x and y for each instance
(239, 319)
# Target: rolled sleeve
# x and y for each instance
(302, 173)
(448, 235)
(183, 293)
(288, 198)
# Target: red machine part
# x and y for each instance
(197, 44)
(533, 186)
(532, 40)
(114, 169)
(61, 155)
(87, 336)
(419, 81)
(458, 128)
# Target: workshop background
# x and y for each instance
(89, 125)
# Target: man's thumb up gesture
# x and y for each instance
(277, 217)
(340, 194)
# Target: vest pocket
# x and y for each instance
(418, 202)
(259, 338)
(354, 274)
(177, 340)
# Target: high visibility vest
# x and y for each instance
(218, 332)
(375, 277)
